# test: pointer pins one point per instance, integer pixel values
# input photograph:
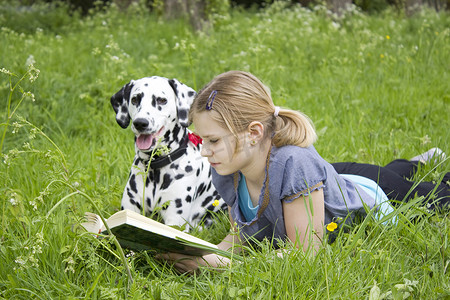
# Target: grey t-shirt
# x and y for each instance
(291, 172)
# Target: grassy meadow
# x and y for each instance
(375, 86)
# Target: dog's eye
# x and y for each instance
(134, 100)
(161, 101)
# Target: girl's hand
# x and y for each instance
(190, 264)
(183, 263)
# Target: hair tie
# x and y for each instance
(210, 101)
(277, 110)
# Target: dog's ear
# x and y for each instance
(119, 102)
(185, 97)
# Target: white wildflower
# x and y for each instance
(30, 60)
(30, 94)
(7, 72)
(20, 260)
(70, 263)
(14, 202)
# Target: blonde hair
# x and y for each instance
(241, 98)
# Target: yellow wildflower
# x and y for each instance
(332, 226)
(388, 37)
(216, 203)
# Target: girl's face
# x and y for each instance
(219, 145)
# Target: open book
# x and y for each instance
(137, 232)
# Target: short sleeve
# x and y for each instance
(225, 186)
(302, 169)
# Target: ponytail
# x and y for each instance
(293, 128)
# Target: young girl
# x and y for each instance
(264, 166)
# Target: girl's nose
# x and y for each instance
(205, 152)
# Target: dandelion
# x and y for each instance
(388, 37)
(332, 226)
(381, 56)
(215, 203)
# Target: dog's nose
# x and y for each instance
(140, 124)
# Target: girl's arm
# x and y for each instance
(305, 223)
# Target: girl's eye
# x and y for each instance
(213, 141)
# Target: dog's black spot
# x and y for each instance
(182, 114)
(189, 198)
(206, 201)
(179, 212)
(209, 172)
(149, 201)
(130, 195)
(156, 176)
(198, 172)
(174, 166)
(167, 180)
(188, 169)
(175, 132)
(135, 203)
(146, 84)
(195, 216)
(191, 93)
(154, 101)
(189, 188)
(137, 161)
(133, 183)
(174, 86)
(210, 208)
(178, 203)
(179, 176)
(201, 189)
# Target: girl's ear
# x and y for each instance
(256, 131)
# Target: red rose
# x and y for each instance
(195, 139)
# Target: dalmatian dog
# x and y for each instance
(176, 182)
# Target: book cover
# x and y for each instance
(137, 232)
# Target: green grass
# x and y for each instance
(375, 86)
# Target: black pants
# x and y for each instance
(392, 180)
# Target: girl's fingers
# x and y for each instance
(183, 263)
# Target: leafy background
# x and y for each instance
(375, 85)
